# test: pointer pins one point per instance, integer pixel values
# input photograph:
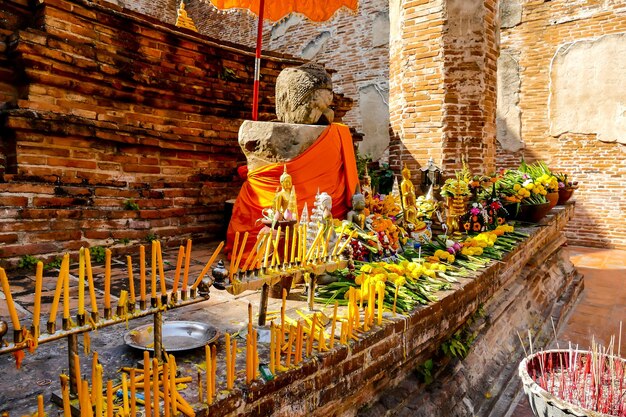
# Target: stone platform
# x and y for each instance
(372, 376)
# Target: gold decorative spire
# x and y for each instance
(183, 20)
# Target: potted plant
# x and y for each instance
(566, 188)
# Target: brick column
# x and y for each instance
(443, 57)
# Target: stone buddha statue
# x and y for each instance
(357, 214)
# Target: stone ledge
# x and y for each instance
(343, 380)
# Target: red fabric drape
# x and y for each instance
(328, 165)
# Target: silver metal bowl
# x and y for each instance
(176, 336)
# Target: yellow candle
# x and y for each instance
(142, 273)
(286, 244)
(241, 250)
(380, 287)
(173, 389)
(66, 293)
(267, 251)
(252, 254)
(94, 375)
(248, 358)
(125, 395)
(283, 310)
(81, 281)
(92, 287)
(334, 252)
(40, 411)
(107, 278)
(348, 240)
(131, 279)
(289, 344)
(179, 263)
(333, 325)
(311, 338)
(209, 370)
(213, 369)
(86, 398)
(187, 263)
(146, 379)
(294, 243)
(272, 349)
(161, 272)
(207, 266)
(155, 387)
(255, 356)
(122, 300)
(65, 394)
(233, 362)
(327, 242)
(79, 384)
(275, 257)
(58, 290)
(109, 398)
(233, 255)
(300, 335)
(99, 401)
(166, 390)
(229, 382)
(153, 281)
(395, 299)
(38, 285)
(133, 393)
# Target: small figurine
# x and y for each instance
(285, 201)
(357, 215)
(408, 197)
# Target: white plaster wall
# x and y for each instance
(587, 93)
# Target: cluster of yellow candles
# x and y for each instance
(126, 300)
(266, 251)
(154, 387)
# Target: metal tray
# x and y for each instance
(177, 336)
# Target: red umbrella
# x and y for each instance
(274, 10)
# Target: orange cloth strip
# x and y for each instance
(274, 10)
(328, 165)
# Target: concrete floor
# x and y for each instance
(598, 312)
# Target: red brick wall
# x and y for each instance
(599, 167)
(117, 106)
(442, 84)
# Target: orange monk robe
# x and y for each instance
(328, 165)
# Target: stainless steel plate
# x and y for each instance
(177, 336)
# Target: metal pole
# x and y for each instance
(72, 349)
(265, 292)
(158, 335)
(257, 62)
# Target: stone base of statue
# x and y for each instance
(265, 143)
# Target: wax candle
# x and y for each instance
(333, 325)
(321, 340)
(380, 287)
(38, 286)
(125, 405)
(275, 257)
(99, 401)
(57, 291)
(334, 252)
(65, 395)
(77, 375)
(107, 278)
(207, 266)
(40, 410)
(86, 399)
(241, 250)
(173, 389)
(131, 280)
(142, 274)
(348, 240)
(66, 295)
(121, 303)
(133, 393)
(153, 281)
(92, 287)
(179, 263)
(81, 282)
(286, 246)
(233, 255)
(167, 399)
(267, 251)
(272, 348)
(252, 254)
(161, 271)
(110, 398)
(233, 363)
(155, 388)
(209, 372)
(299, 344)
(311, 338)
(255, 354)
(213, 369)
(294, 243)
(229, 381)
(395, 299)
(327, 242)
(146, 382)
(187, 263)
(283, 310)
(94, 375)
(289, 344)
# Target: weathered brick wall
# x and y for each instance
(534, 39)
(117, 108)
(442, 77)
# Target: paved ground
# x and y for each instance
(601, 307)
